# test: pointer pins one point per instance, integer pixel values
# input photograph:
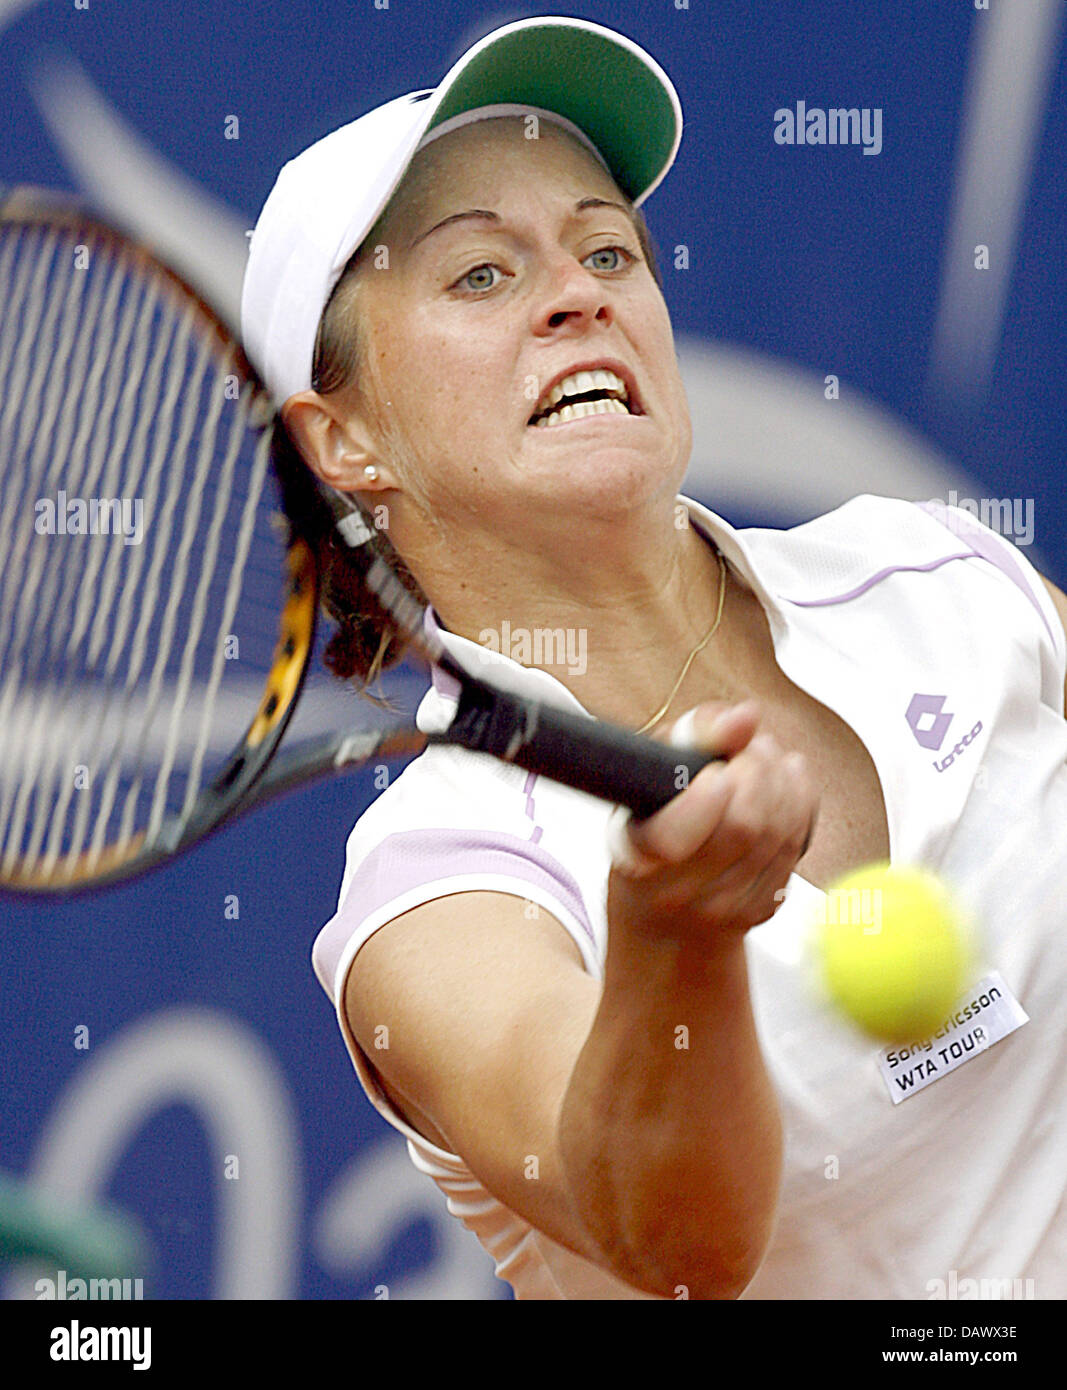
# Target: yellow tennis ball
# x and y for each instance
(895, 950)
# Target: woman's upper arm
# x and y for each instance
(487, 1011)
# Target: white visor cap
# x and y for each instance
(597, 83)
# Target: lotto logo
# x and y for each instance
(926, 720)
(965, 742)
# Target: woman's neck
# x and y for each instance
(614, 623)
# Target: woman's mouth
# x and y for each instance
(596, 392)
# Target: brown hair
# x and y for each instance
(366, 640)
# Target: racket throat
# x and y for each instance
(572, 748)
(494, 723)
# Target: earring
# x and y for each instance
(370, 473)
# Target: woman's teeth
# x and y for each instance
(609, 392)
(579, 409)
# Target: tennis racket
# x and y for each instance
(159, 585)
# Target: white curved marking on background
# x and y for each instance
(214, 1064)
(1008, 82)
(11, 9)
(766, 439)
(368, 1206)
(197, 234)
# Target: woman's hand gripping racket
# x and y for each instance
(156, 624)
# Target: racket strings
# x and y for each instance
(36, 612)
(117, 697)
(101, 378)
(81, 608)
(24, 328)
(198, 616)
(129, 708)
(31, 319)
(117, 713)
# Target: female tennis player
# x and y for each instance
(598, 1036)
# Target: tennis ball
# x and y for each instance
(894, 949)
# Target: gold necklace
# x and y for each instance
(694, 653)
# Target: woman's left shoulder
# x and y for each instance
(852, 547)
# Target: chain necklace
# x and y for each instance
(694, 653)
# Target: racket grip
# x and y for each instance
(587, 754)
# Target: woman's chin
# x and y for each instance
(598, 478)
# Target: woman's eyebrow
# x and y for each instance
(583, 205)
(455, 217)
(602, 203)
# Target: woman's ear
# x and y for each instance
(339, 450)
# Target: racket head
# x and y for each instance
(158, 600)
(161, 555)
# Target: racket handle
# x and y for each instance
(587, 754)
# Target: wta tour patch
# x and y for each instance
(987, 1013)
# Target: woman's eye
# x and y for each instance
(482, 277)
(609, 258)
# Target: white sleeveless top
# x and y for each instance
(935, 641)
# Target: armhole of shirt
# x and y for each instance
(430, 892)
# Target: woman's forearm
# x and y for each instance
(670, 1131)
